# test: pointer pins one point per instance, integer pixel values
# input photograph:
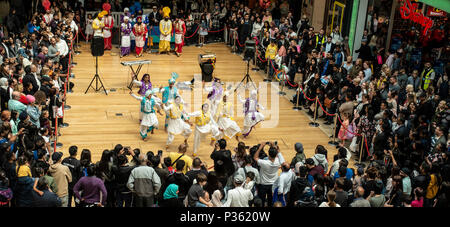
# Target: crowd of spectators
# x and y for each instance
(396, 98)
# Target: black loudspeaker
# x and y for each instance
(250, 49)
(97, 46)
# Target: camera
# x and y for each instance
(160, 153)
(126, 150)
(267, 143)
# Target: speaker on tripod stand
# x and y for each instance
(250, 52)
(97, 49)
(250, 49)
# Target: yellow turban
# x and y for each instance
(102, 13)
(166, 11)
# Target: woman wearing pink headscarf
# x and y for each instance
(34, 111)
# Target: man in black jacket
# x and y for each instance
(179, 179)
(48, 199)
(154, 17)
(245, 30)
(298, 186)
(30, 78)
(197, 167)
(364, 52)
(163, 173)
(75, 169)
(223, 164)
(122, 174)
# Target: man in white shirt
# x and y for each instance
(343, 153)
(238, 196)
(282, 184)
(268, 171)
(63, 49)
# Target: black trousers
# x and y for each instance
(140, 201)
(70, 197)
(265, 192)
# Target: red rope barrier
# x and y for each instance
(192, 33)
(323, 109)
(217, 30)
(292, 85)
(239, 42)
(82, 34)
(263, 61)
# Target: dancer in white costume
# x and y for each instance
(149, 119)
(227, 125)
(177, 122)
(204, 124)
(252, 115)
(169, 93)
(215, 92)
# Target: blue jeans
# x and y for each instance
(199, 204)
(124, 198)
(278, 197)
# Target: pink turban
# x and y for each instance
(31, 99)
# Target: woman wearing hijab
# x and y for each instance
(170, 197)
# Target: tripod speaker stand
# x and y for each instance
(97, 80)
(247, 77)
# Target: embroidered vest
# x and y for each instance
(167, 92)
(176, 111)
(203, 119)
(144, 106)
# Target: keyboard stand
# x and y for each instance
(135, 75)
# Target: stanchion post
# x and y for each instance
(362, 146)
(314, 123)
(268, 72)
(255, 60)
(283, 83)
(297, 107)
(56, 144)
(333, 142)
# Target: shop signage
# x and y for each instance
(408, 11)
(435, 12)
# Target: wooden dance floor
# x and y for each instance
(98, 121)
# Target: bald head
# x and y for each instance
(6, 115)
(182, 148)
(359, 192)
(16, 95)
(142, 159)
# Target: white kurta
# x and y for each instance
(252, 112)
(230, 127)
(214, 101)
(107, 21)
(202, 131)
(126, 40)
(176, 126)
(149, 119)
(166, 26)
